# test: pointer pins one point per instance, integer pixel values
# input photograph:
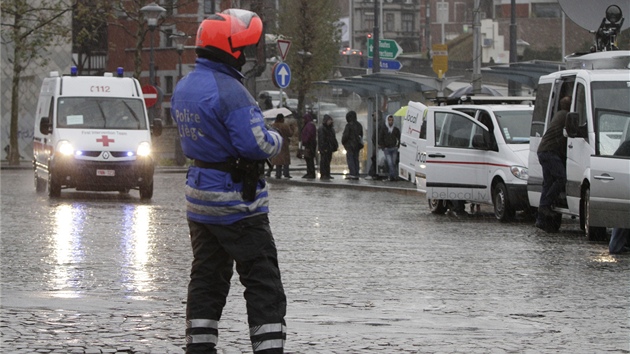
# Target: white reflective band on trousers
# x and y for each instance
(276, 343)
(268, 344)
(199, 323)
(202, 338)
(267, 328)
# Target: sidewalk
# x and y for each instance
(297, 170)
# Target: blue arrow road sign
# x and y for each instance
(386, 64)
(282, 74)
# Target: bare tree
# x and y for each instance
(310, 25)
(29, 27)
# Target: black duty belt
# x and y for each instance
(220, 166)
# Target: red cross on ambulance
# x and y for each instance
(105, 140)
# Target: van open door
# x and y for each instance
(456, 146)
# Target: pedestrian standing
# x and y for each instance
(552, 155)
(352, 141)
(327, 145)
(390, 142)
(283, 159)
(223, 131)
(309, 143)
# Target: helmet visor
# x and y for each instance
(246, 27)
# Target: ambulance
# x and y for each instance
(598, 141)
(92, 133)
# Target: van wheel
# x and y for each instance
(40, 184)
(146, 191)
(438, 206)
(503, 209)
(592, 233)
(54, 186)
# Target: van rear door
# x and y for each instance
(455, 160)
(412, 143)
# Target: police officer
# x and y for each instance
(222, 130)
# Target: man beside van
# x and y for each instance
(552, 155)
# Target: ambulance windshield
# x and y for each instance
(99, 113)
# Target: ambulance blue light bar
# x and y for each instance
(120, 71)
(74, 71)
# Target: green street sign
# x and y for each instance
(388, 48)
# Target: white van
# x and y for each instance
(598, 178)
(93, 134)
(412, 150)
(474, 153)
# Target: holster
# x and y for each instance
(241, 170)
(249, 172)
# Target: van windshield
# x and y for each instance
(515, 125)
(611, 108)
(99, 113)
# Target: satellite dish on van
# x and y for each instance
(588, 14)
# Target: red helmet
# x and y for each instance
(224, 35)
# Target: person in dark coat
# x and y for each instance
(552, 155)
(283, 159)
(327, 145)
(389, 142)
(352, 141)
(309, 143)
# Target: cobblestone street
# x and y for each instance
(366, 270)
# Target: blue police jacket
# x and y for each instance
(219, 120)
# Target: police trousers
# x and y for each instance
(250, 244)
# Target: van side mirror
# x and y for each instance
(572, 126)
(44, 126)
(156, 127)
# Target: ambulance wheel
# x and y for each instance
(592, 233)
(503, 209)
(146, 191)
(40, 184)
(437, 206)
(54, 186)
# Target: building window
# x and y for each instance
(169, 84)
(169, 7)
(389, 22)
(407, 23)
(369, 21)
(168, 32)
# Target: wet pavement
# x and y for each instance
(366, 267)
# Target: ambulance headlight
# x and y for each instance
(144, 149)
(520, 172)
(65, 148)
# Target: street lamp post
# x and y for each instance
(179, 39)
(152, 12)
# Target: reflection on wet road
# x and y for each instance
(364, 272)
